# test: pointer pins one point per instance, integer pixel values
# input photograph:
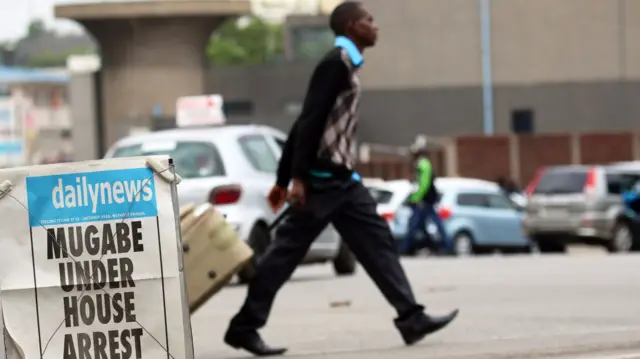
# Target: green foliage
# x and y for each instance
(48, 59)
(36, 27)
(253, 42)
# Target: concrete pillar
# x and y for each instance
(85, 123)
(451, 158)
(148, 63)
(576, 149)
(152, 53)
(514, 157)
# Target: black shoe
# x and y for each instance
(415, 329)
(253, 344)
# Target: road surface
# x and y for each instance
(582, 305)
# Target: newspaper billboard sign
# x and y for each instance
(90, 266)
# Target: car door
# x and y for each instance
(264, 162)
(471, 212)
(507, 229)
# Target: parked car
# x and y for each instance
(627, 165)
(477, 215)
(580, 204)
(233, 168)
(390, 197)
(372, 181)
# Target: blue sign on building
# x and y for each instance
(13, 147)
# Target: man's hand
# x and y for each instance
(276, 197)
(297, 193)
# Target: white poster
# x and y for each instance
(200, 110)
(89, 262)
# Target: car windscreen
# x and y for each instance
(192, 159)
(561, 181)
(381, 196)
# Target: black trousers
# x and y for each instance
(348, 205)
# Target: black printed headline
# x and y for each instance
(95, 307)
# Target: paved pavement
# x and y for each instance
(584, 306)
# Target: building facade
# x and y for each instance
(552, 66)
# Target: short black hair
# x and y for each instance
(343, 14)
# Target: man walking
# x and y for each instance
(423, 203)
(318, 158)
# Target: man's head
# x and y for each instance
(418, 151)
(350, 19)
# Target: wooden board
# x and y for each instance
(213, 253)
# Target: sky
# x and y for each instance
(15, 16)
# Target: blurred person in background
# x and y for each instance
(508, 185)
(423, 203)
(318, 159)
(501, 181)
(511, 190)
(631, 199)
(513, 187)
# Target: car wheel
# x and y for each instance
(622, 240)
(259, 240)
(550, 244)
(345, 262)
(463, 244)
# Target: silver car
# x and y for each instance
(580, 204)
(233, 168)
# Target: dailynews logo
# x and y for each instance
(90, 196)
(80, 193)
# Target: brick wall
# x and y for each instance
(536, 151)
(483, 157)
(530, 152)
(397, 167)
(387, 169)
(606, 147)
(517, 157)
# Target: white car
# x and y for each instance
(233, 168)
(390, 196)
